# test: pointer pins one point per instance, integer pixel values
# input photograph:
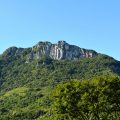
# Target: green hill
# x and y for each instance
(28, 80)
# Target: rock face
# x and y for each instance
(60, 51)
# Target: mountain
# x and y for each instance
(59, 51)
(28, 75)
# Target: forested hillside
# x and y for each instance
(68, 89)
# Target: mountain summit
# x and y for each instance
(59, 51)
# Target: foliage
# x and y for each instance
(87, 100)
(25, 87)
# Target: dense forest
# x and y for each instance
(47, 89)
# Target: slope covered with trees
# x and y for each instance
(28, 88)
(97, 99)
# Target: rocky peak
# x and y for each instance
(62, 43)
(59, 51)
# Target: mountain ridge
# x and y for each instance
(59, 51)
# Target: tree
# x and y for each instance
(87, 100)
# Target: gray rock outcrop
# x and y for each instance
(60, 51)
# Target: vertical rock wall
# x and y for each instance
(61, 50)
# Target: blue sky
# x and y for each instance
(92, 24)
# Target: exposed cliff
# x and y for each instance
(59, 51)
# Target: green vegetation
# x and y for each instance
(28, 89)
(97, 99)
